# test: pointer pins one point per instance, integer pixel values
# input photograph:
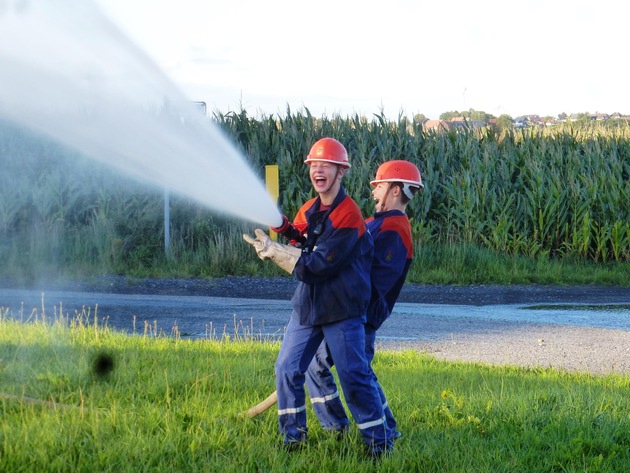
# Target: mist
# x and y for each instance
(68, 73)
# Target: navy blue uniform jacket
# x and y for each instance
(393, 254)
(334, 268)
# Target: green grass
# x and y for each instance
(469, 264)
(229, 255)
(175, 405)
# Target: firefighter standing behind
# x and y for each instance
(330, 302)
(395, 184)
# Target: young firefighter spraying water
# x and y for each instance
(395, 184)
(332, 266)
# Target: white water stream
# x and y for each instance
(68, 72)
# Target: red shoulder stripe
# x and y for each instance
(300, 222)
(400, 225)
(348, 215)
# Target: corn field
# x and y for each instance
(561, 192)
(552, 193)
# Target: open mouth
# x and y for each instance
(320, 181)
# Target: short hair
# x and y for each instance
(404, 188)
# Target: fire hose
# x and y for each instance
(262, 406)
(38, 402)
(285, 256)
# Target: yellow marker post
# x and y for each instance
(272, 180)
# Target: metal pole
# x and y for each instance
(167, 203)
(167, 223)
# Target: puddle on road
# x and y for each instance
(585, 307)
(415, 320)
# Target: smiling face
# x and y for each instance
(379, 193)
(388, 196)
(326, 180)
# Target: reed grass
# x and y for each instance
(176, 405)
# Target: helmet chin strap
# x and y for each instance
(384, 200)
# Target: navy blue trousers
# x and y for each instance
(346, 341)
(322, 388)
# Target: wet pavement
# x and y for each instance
(204, 316)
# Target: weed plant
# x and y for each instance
(170, 404)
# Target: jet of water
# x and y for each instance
(68, 72)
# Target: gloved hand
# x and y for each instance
(290, 233)
(285, 256)
(261, 243)
(286, 225)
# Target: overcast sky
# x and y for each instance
(344, 57)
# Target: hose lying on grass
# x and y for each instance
(263, 406)
(38, 402)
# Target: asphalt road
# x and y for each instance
(261, 307)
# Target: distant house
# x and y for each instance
(463, 122)
(521, 122)
(526, 120)
(453, 124)
(436, 125)
(588, 116)
(469, 124)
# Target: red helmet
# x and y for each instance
(330, 151)
(399, 171)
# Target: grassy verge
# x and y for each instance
(175, 405)
(229, 255)
(468, 264)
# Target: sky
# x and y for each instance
(347, 57)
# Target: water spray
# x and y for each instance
(68, 72)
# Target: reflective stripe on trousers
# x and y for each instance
(346, 340)
(320, 383)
